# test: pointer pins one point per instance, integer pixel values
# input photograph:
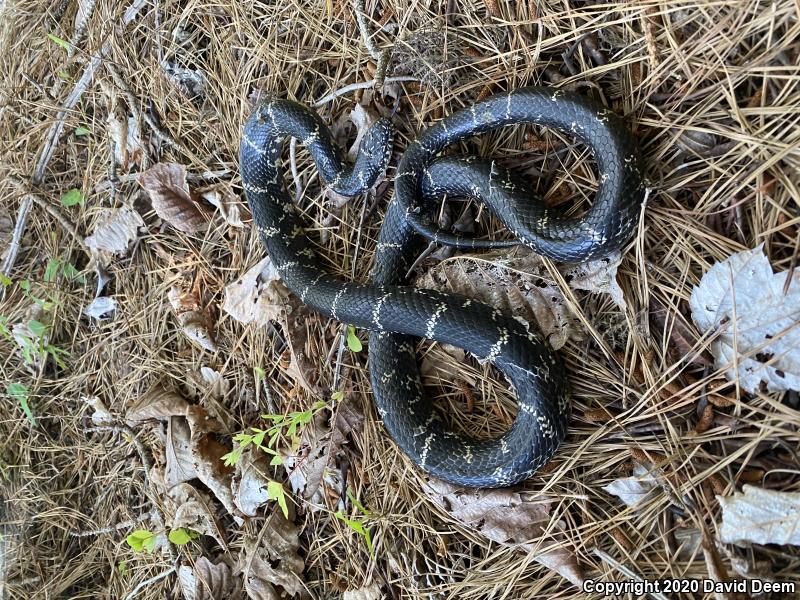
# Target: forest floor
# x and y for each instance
(141, 329)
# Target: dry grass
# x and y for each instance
(711, 90)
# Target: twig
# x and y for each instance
(113, 528)
(626, 571)
(19, 230)
(146, 582)
(380, 56)
(74, 97)
(362, 85)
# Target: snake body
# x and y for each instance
(395, 313)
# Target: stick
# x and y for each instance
(363, 85)
(16, 239)
(150, 581)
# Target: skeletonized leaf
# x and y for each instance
(505, 516)
(114, 230)
(512, 281)
(757, 337)
(258, 296)
(207, 581)
(270, 563)
(102, 307)
(633, 490)
(599, 276)
(760, 516)
(169, 193)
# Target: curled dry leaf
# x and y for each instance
(100, 415)
(250, 482)
(511, 281)
(635, 489)
(218, 384)
(196, 512)
(227, 203)
(508, 518)
(208, 581)
(300, 368)
(755, 324)
(114, 230)
(760, 516)
(270, 564)
(193, 320)
(190, 82)
(157, 403)
(169, 193)
(598, 276)
(102, 307)
(258, 296)
(125, 138)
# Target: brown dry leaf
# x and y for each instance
(258, 296)
(307, 467)
(100, 415)
(114, 230)
(169, 193)
(598, 276)
(157, 403)
(208, 581)
(442, 361)
(193, 320)
(270, 563)
(301, 368)
(514, 282)
(227, 203)
(635, 489)
(503, 515)
(680, 334)
(211, 470)
(349, 419)
(250, 482)
(178, 453)
(196, 512)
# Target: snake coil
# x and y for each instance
(396, 313)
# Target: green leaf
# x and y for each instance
(57, 40)
(258, 438)
(356, 503)
(72, 197)
(25, 285)
(51, 270)
(141, 540)
(182, 536)
(4, 281)
(276, 461)
(79, 131)
(37, 328)
(260, 373)
(275, 492)
(320, 404)
(19, 392)
(63, 75)
(352, 339)
(122, 567)
(70, 272)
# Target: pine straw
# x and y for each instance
(720, 77)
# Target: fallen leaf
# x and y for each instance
(169, 193)
(680, 333)
(514, 282)
(270, 563)
(760, 516)
(698, 142)
(370, 592)
(219, 386)
(228, 205)
(635, 489)
(190, 82)
(303, 370)
(196, 512)
(258, 296)
(157, 403)
(442, 361)
(250, 482)
(598, 276)
(755, 325)
(508, 518)
(179, 457)
(114, 230)
(208, 581)
(102, 307)
(100, 415)
(193, 320)
(209, 466)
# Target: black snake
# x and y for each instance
(396, 314)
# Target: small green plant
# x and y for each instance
(288, 425)
(57, 40)
(352, 340)
(72, 198)
(19, 392)
(25, 286)
(359, 524)
(81, 130)
(182, 536)
(275, 491)
(36, 348)
(4, 281)
(122, 567)
(57, 266)
(142, 540)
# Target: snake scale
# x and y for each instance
(396, 313)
